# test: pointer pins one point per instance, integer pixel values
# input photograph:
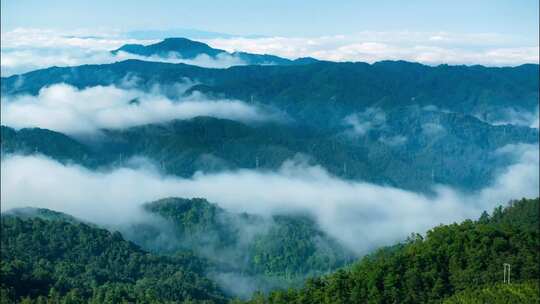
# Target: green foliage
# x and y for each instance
(451, 260)
(54, 261)
(288, 247)
(293, 246)
(303, 88)
(315, 98)
(522, 293)
(45, 214)
(63, 148)
(522, 214)
(190, 216)
(75, 263)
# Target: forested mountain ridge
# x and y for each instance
(386, 135)
(320, 93)
(464, 260)
(54, 144)
(432, 119)
(281, 250)
(77, 263)
(277, 251)
(456, 263)
(42, 213)
(424, 143)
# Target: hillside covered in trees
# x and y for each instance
(424, 143)
(269, 152)
(50, 256)
(462, 263)
(275, 251)
(359, 121)
(64, 262)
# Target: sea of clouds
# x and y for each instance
(26, 49)
(361, 215)
(69, 110)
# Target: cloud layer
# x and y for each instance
(362, 122)
(66, 109)
(25, 49)
(429, 48)
(518, 117)
(361, 215)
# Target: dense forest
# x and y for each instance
(51, 258)
(206, 144)
(438, 124)
(520, 293)
(273, 251)
(381, 135)
(318, 92)
(461, 262)
(62, 262)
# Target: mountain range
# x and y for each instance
(396, 126)
(413, 118)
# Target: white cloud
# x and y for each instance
(27, 49)
(361, 215)
(362, 122)
(24, 60)
(69, 110)
(432, 129)
(372, 118)
(24, 50)
(429, 48)
(50, 38)
(514, 116)
(395, 140)
(219, 61)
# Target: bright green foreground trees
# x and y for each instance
(77, 263)
(68, 262)
(464, 260)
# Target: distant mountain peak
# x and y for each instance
(183, 47)
(181, 40)
(190, 49)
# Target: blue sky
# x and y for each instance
(279, 17)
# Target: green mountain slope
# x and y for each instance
(42, 213)
(47, 257)
(522, 214)
(522, 293)
(273, 252)
(82, 264)
(286, 248)
(450, 259)
(460, 142)
(319, 94)
(54, 144)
